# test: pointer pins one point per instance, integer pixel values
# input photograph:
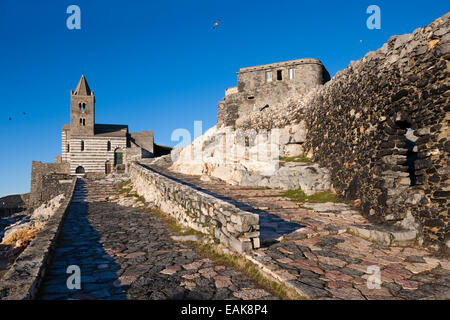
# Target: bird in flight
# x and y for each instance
(216, 24)
(24, 113)
(10, 118)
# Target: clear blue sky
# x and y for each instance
(158, 65)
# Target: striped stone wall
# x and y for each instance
(95, 153)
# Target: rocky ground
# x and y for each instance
(19, 229)
(316, 251)
(128, 253)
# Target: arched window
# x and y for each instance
(82, 106)
(108, 146)
(82, 145)
(84, 122)
(81, 121)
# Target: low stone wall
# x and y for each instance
(22, 280)
(234, 228)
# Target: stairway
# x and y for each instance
(88, 190)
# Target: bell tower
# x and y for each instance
(82, 110)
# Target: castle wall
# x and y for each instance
(254, 94)
(357, 128)
(47, 181)
(357, 122)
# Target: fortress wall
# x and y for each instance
(46, 181)
(234, 228)
(254, 93)
(356, 125)
(358, 121)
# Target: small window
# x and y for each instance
(269, 76)
(82, 145)
(291, 74)
(279, 75)
(68, 147)
(82, 106)
(81, 121)
(108, 146)
(84, 122)
(251, 98)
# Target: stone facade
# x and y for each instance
(269, 86)
(234, 228)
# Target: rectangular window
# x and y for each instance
(291, 74)
(279, 75)
(268, 76)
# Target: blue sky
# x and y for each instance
(158, 65)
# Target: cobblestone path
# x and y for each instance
(126, 253)
(312, 250)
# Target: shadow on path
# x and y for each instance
(79, 245)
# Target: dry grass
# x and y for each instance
(246, 267)
(237, 262)
(21, 237)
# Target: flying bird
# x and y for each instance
(24, 113)
(10, 118)
(216, 24)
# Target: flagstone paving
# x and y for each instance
(127, 253)
(311, 250)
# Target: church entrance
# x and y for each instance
(79, 169)
(108, 167)
(118, 158)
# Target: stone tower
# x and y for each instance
(82, 110)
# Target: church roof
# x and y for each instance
(110, 130)
(83, 87)
(143, 139)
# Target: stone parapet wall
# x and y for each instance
(22, 280)
(227, 224)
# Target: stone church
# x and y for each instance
(90, 147)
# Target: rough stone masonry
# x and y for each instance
(357, 125)
(381, 127)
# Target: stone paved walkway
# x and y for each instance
(126, 253)
(311, 250)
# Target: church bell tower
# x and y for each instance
(82, 110)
